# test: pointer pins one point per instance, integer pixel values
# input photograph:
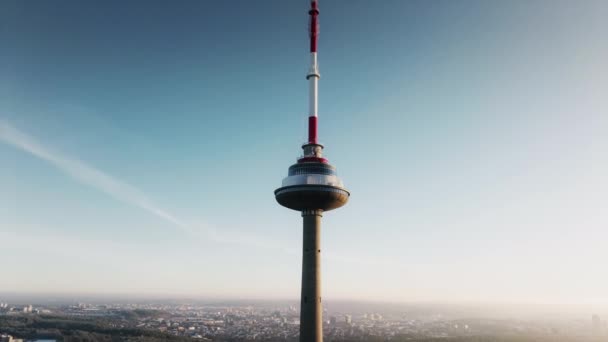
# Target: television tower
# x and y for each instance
(312, 187)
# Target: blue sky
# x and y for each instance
(141, 142)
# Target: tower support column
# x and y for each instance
(311, 308)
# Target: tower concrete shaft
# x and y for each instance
(311, 308)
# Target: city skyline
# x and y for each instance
(135, 139)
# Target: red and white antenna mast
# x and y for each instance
(313, 74)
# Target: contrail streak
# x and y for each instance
(86, 174)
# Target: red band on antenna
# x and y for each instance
(314, 25)
(312, 129)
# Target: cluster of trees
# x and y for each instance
(76, 330)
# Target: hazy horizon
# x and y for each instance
(141, 142)
(178, 296)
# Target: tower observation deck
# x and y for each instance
(312, 187)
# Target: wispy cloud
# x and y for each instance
(86, 174)
(120, 190)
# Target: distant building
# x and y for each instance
(333, 320)
(9, 338)
(348, 319)
(596, 324)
